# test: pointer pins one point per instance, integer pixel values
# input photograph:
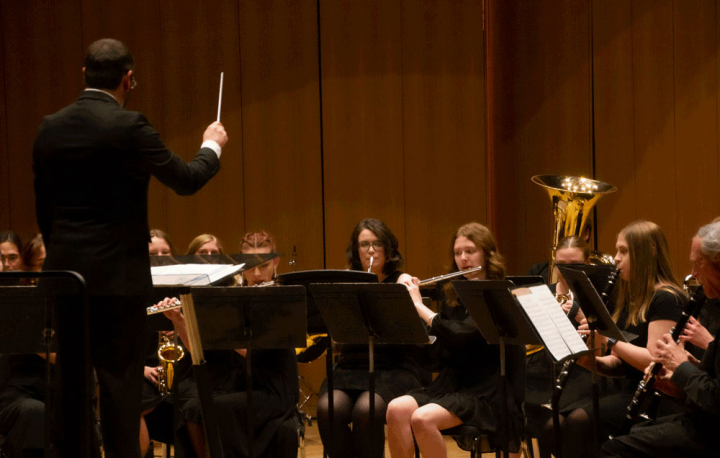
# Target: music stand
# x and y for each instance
(248, 318)
(501, 321)
(365, 313)
(526, 280)
(28, 308)
(315, 323)
(599, 320)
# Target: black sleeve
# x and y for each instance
(665, 306)
(455, 333)
(166, 166)
(701, 384)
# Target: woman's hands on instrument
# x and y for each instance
(696, 334)
(412, 284)
(174, 315)
(151, 374)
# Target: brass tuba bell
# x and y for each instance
(573, 198)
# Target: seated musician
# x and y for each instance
(10, 251)
(160, 244)
(205, 244)
(275, 385)
(157, 409)
(467, 388)
(33, 254)
(649, 303)
(539, 380)
(691, 433)
(22, 393)
(396, 368)
(259, 243)
(22, 405)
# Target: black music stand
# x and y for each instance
(28, 308)
(501, 321)
(364, 313)
(315, 323)
(526, 280)
(249, 318)
(600, 321)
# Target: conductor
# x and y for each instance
(92, 162)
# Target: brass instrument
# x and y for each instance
(169, 353)
(439, 278)
(573, 199)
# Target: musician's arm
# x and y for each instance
(702, 388)
(424, 312)
(641, 357)
(608, 366)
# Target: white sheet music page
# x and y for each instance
(535, 309)
(555, 312)
(192, 274)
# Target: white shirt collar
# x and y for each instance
(104, 92)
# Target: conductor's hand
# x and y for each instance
(216, 131)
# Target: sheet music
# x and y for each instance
(557, 315)
(554, 327)
(192, 274)
(544, 325)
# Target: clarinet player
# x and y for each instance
(690, 433)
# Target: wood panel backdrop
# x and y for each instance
(423, 113)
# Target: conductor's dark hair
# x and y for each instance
(393, 258)
(107, 61)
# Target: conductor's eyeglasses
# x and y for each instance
(133, 82)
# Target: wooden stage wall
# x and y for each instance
(405, 110)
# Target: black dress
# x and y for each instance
(274, 397)
(468, 384)
(397, 368)
(22, 406)
(663, 306)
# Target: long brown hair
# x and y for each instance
(201, 240)
(483, 240)
(649, 271)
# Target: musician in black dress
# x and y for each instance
(649, 303)
(540, 380)
(158, 409)
(396, 368)
(274, 382)
(692, 433)
(467, 390)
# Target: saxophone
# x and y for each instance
(169, 353)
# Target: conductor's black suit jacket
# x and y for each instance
(92, 162)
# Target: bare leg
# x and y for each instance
(197, 438)
(400, 435)
(144, 434)
(427, 421)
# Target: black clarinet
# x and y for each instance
(564, 374)
(645, 386)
